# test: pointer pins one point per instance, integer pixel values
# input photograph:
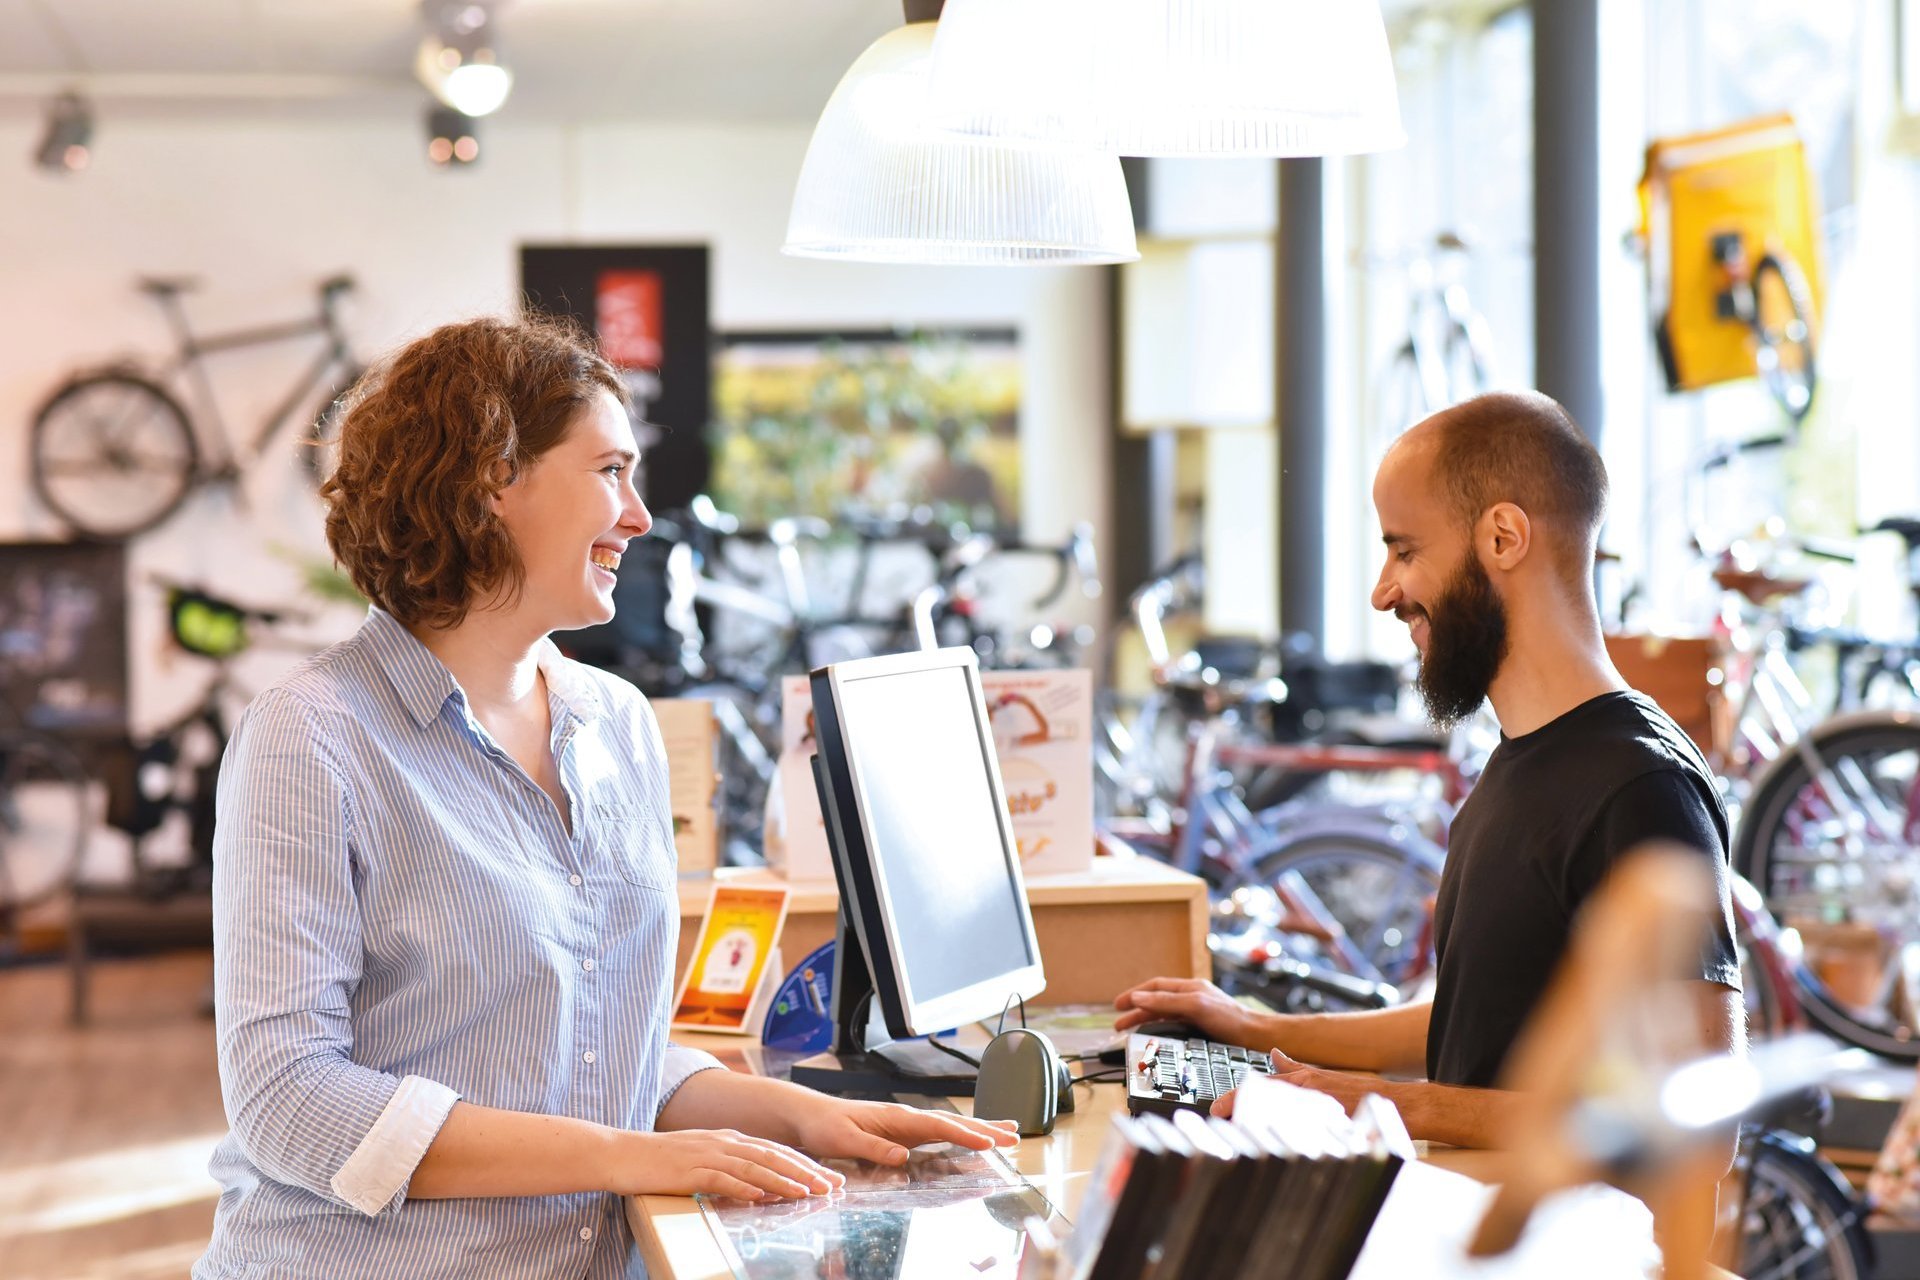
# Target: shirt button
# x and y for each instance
(587, 965)
(574, 880)
(586, 1233)
(587, 1057)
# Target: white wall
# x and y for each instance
(262, 209)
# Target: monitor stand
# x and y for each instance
(863, 1060)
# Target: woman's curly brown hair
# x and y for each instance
(428, 437)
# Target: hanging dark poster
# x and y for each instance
(646, 305)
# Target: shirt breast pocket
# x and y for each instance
(630, 837)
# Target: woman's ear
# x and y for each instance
(1506, 535)
(499, 478)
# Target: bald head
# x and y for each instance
(1523, 448)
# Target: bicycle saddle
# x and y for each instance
(1231, 657)
(162, 286)
(337, 284)
(1758, 586)
(1908, 527)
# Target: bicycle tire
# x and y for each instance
(320, 451)
(81, 442)
(1783, 333)
(43, 810)
(1839, 878)
(1391, 933)
(1799, 1220)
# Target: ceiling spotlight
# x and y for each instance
(452, 138)
(64, 146)
(457, 60)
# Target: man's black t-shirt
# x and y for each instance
(1549, 816)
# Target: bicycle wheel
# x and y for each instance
(1783, 333)
(113, 455)
(1376, 887)
(320, 451)
(1836, 853)
(43, 823)
(1799, 1220)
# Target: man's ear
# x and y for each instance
(1505, 536)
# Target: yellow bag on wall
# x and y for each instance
(1749, 181)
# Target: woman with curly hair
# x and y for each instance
(445, 908)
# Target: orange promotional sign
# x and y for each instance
(732, 961)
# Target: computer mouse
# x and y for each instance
(1019, 1081)
(1170, 1029)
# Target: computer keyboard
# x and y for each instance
(1167, 1074)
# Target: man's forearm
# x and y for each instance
(1457, 1116)
(1382, 1040)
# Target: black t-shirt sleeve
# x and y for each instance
(1664, 805)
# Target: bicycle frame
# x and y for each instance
(189, 357)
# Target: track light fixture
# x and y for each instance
(452, 138)
(65, 146)
(458, 60)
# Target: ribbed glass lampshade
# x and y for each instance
(879, 184)
(1169, 77)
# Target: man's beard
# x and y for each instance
(1466, 643)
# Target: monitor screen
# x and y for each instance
(922, 845)
(948, 876)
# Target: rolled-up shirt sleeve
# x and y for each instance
(682, 1064)
(287, 959)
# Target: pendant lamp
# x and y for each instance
(1169, 77)
(881, 184)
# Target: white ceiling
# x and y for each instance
(730, 60)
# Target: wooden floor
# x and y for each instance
(105, 1132)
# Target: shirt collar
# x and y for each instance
(424, 684)
(422, 680)
(567, 684)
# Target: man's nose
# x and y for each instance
(1386, 593)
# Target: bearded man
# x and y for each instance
(1490, 512)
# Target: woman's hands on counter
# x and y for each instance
(885, 1131)
(717, 1162)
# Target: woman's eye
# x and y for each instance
(614, 468)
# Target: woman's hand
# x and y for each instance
(1217, 1015)
(885, 1131)
(717, 1162)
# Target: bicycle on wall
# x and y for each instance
(1447, 354)
(114, 452)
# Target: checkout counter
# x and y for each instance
(1162, 915)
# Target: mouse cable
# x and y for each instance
(952, 1052)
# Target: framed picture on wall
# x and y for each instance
(819, 423)
(63, 638)
(646, 305)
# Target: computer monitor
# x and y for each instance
(934, 928)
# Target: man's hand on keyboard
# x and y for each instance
(1343, 1087)
(1216, 1014)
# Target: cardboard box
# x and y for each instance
(687, 729)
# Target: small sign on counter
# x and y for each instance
(736, 962)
